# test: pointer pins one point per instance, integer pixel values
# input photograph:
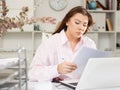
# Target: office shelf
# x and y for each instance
(13, 69)
(105, 39)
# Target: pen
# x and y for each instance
(62, 59)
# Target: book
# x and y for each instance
(118, 4)
(109, 4)
(100, 5)
(109, 24)
(88, 1)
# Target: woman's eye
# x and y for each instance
(85, 25)
(77, 22)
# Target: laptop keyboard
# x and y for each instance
(75, 84)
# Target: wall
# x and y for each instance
(43, 9)
(28, 39)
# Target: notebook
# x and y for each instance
(99, 74)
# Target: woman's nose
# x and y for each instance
(81, 27)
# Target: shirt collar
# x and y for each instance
(64, 38)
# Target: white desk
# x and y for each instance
(46, 86)
(56, 86)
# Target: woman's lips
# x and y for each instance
(78, 33)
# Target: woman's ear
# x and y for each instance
(66, 23)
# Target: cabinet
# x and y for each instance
(105, 39)
(13, 75)
(118, 29)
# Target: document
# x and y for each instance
(43, 86)
(83, 56)
(8, 62)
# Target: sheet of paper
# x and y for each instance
(84, 54)
(7, 62)
(43, 86)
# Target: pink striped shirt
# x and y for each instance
(51, 52)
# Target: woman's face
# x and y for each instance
(77, 25)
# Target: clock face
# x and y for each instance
(58, 5)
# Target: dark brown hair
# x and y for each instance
(72, 12)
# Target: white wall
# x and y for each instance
(43, 9)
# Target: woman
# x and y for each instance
(54, 57)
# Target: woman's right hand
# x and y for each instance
(66, 67)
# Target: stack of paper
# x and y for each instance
(8, 62)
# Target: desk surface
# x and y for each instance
(56, 86)
(46, 86)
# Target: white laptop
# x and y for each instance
(99, 74)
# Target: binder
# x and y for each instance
(118, 21)
(99, 21)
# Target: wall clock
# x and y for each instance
(58, 5)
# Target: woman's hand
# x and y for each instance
(66, 67)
